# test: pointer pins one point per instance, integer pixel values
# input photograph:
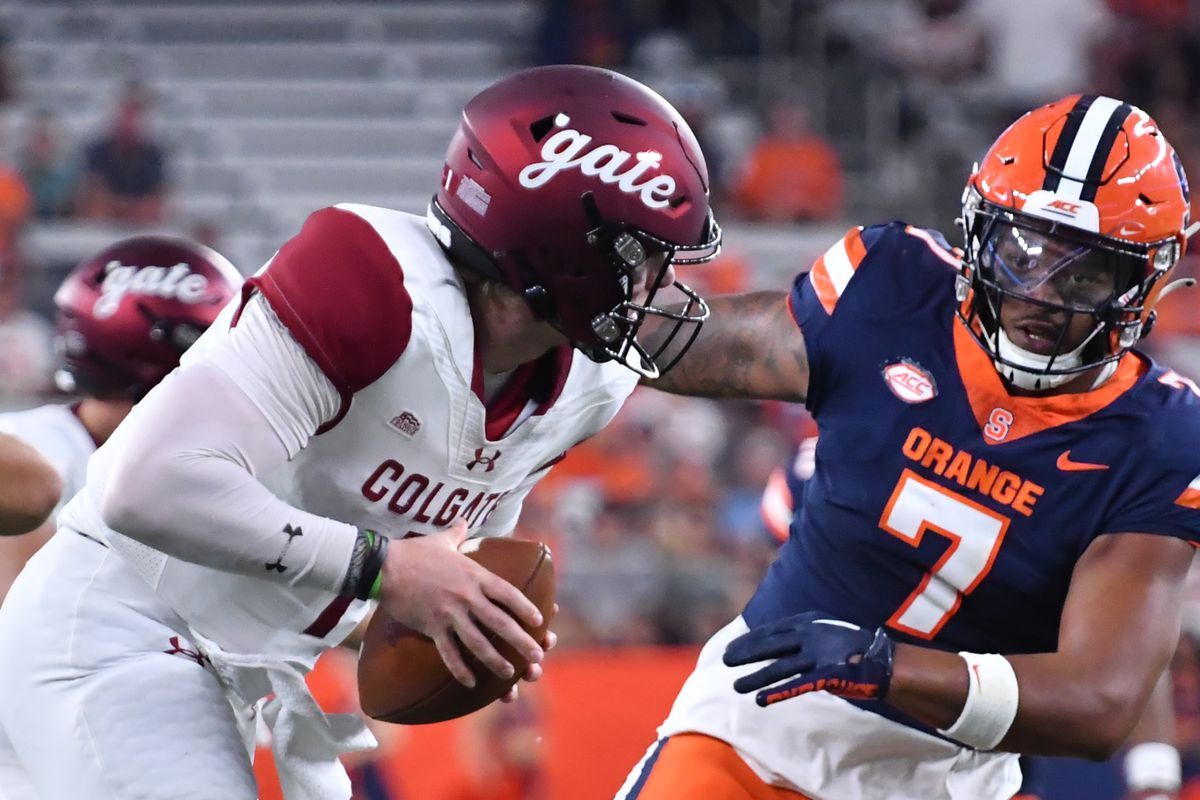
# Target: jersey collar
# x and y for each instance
(540, 381)
(1031, 414)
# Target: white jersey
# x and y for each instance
(56, 432)
(408, 445)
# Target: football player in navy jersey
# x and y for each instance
(991, 555)
(1151, 764)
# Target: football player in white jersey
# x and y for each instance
(124, 316)
(30, 489)
(386, 386)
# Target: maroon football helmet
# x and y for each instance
(560, 182)
(126, 314)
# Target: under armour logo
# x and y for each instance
(488, 461)
(178, 650)
(277, 564)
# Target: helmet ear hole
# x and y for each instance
(629, 119)
(540, 128)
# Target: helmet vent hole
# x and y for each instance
(677, 201)
(1146, 200)
(1008, 160)
(628, 119)
(540, 128)
(474, 160)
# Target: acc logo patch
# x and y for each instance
(909, 381)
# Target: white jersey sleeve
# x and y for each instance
(243, 403)
(262, 358)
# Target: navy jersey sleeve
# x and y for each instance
(869, 279)
(1163, 494)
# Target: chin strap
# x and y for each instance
(1029, 375)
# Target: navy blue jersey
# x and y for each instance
(941, 506)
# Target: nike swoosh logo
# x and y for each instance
(1067, 465)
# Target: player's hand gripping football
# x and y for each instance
(813, 652)
(434, 589)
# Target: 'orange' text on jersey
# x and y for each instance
(972, 472)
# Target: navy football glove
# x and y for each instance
(813, 653)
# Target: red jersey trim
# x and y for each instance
(74, 409)
(540, 381)
(340, 292)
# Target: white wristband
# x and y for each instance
(1152, 765)
(991, 706)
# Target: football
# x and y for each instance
(401, 677)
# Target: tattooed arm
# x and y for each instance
(750, 347)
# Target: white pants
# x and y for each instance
(101, 697)
(827, 748)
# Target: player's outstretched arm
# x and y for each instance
(1119, 628)
(750, 347)
(29, 487)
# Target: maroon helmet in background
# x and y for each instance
(126, 314)
(560, 182)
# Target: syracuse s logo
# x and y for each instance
(909, 381)
(999, 423)
(569, 149)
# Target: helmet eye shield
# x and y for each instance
(1054, 270)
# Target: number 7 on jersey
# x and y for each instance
(975, 533)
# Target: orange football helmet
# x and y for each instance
(1080, 207)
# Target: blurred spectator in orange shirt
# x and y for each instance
(125, 177)
(792, 173)
(16, 204)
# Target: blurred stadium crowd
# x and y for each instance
(229, 123)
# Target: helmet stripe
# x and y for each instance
(1104, 147)
(1058, 159)
(1083, 149)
